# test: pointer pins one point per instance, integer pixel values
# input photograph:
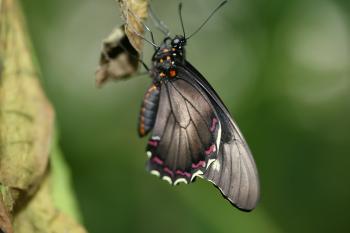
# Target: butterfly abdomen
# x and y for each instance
(149, 109)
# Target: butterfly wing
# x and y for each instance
(186, 134)
(234, 172)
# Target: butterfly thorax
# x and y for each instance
(170, 53)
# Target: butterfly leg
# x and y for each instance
(160, 25)
(152, 42)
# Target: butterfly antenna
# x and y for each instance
(181, 20)
(205, 21)
(145, 26)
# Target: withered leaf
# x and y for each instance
(26, 116)
(119, 59)
(26, 128)
(134, 13)
(121, 50)
(40, 215)
(5, 218)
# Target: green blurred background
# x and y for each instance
(282, 68)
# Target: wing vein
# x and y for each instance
(198, 134)
(188, 101)
(189, 146)
(168, 147)
(240, 172)
(170, 103)
(248, 183)
(189, 83)
(231, 172)
(177, 150)
(222, 166)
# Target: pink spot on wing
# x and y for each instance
(167, 170)
(157, 160)
(199, 164)
(210, 150)
(183, 173)
(153, 143)
(213, 124)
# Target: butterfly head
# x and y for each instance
(173, 47)
(178, 42)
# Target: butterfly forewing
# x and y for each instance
(186, 133)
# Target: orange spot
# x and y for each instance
(142, 123)
(165, 50)
(172, 73)
(168, 57)
(161, 60)
(142, 130)
(150, 90)
(153, 88)
(162, 75)
(174, 49)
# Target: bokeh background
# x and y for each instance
(282, 68)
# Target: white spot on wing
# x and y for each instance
(210, 161)
(155, 172)
(197, 173)
(218, 139)
(216, 166)
(156, 138)
(180, 180)
(149, 154)
(167, 178)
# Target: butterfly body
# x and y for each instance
(166, 57)
(163, 69)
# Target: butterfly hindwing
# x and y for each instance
(234, 171)
(186, 133)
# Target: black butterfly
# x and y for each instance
(193, 133)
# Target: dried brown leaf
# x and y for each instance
(5, 218)
(134, 12)
(41, 216)
(26, 116)
(119, 59)
(26, 127)
(121, 50)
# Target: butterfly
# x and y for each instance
(192, 132)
